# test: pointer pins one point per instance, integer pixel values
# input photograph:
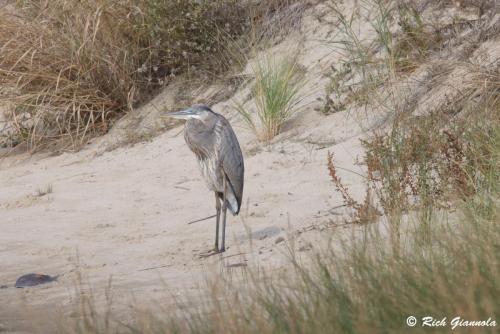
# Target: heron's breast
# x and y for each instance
(211, 174)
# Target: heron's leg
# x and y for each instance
(224, 209)
(217, 208)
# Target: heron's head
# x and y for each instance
(199, 112)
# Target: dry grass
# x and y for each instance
(69, 68)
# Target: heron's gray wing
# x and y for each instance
(232, 160)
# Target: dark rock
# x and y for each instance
(33, 280)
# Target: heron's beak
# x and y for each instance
(183, 114)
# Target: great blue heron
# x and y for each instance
(212, 139)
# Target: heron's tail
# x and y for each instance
(232, 203)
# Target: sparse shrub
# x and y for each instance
(433, 159)
(276, 93)
(334, 99)
(364, 212)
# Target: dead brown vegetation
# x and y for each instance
(69, 68)
(364, 212)
(446, 155)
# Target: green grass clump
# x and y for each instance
(276, 94)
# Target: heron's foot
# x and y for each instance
(209, 253)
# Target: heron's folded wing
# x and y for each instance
(232, 160)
